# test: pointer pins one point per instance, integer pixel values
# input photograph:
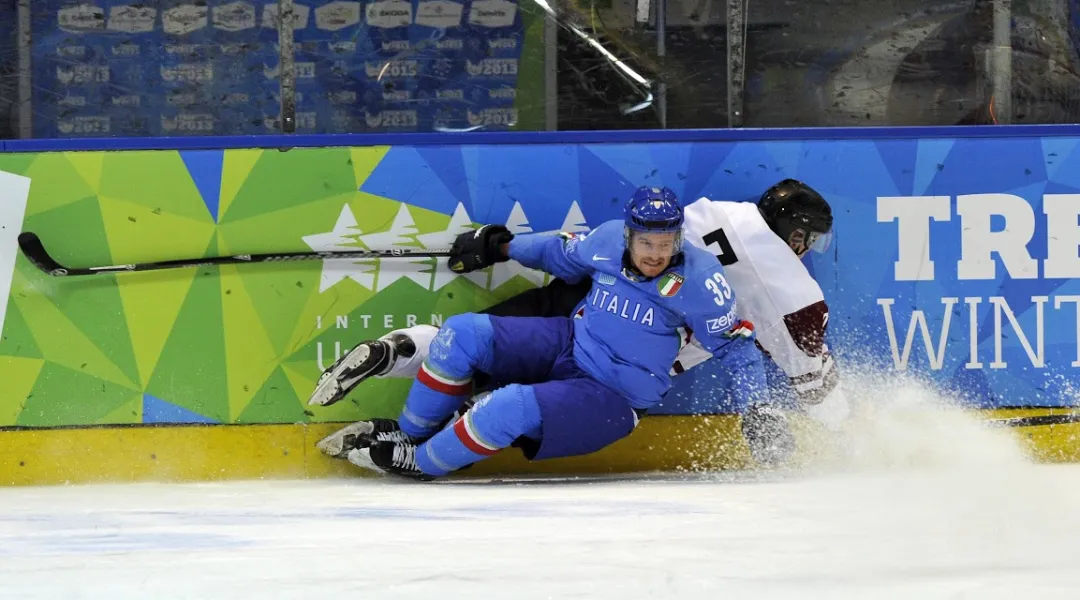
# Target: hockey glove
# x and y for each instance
(475, 250)
(741, 329)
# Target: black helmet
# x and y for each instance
(798, 214)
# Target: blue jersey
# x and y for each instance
(628, 336)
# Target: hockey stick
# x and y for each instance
(1036, 421)
(35, 252)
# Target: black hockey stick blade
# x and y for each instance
(35, 252)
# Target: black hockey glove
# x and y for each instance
(475, 250)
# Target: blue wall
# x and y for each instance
(1004, 174)
(859, 275)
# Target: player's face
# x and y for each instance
(802, 242)
(797, 243)
(651, 252)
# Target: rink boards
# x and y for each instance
(677, 443)
(955, 261)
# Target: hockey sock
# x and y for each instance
(444, 381)
(488, 427)
(434, 396)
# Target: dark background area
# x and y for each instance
(807, 64)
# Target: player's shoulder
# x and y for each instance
(699, 275)
(606, 236)
(699, 261)
(705, 203)
(703, 209)
(608, 229)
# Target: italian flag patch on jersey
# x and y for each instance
(669, 284)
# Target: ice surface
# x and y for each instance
(923, 504)
(912, 535)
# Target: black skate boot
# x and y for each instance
(391, 458)
(366, 359)
(360, 435)
(364, 433)
(768, 435)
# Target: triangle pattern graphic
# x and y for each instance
(276, 402)
(90, 246)
(155, 180)
(156, 410)
(18, 164)
(205, 168)
(312, 176)
(365, 160)
(236, 166)
(61, 342)
(151, 309)
(249, 356)
(190, 370)
(65, 396)
(19, 375)
(128, 413)
(89, 166)
(56, 183)
(18, 339)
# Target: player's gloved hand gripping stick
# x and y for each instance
(474, 250)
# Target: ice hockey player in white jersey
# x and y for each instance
(760, 246)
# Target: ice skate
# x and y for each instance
(391, 458)
(360, 435)
(768, 435)
(366, 359)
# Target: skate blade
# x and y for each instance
(326, 393)
(329, 390)
(361, 457)
(333, 445)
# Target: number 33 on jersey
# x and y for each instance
(719, 286)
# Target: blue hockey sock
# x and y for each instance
(445, 378)
(488, 427)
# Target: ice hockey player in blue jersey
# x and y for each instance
(564, 386)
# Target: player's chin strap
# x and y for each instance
(633, 274)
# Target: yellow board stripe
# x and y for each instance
(236, 452)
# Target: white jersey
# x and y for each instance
(775, 292)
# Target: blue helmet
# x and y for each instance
(654, 209)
